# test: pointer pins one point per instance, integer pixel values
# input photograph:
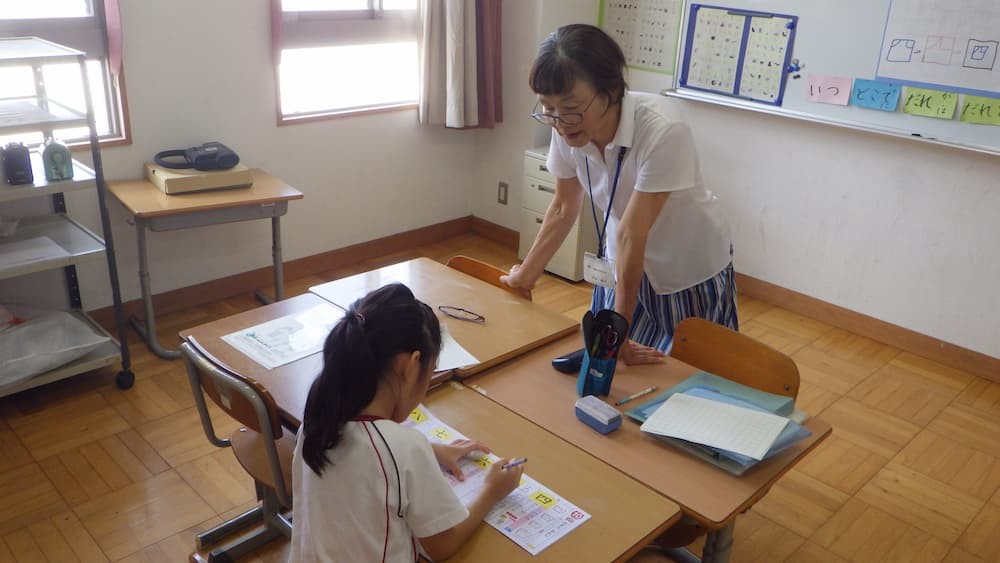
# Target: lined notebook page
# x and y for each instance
(716, 424)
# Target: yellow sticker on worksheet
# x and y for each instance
(442, 434)
(543, 499)
(418, 416)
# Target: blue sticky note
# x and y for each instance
(872, 94)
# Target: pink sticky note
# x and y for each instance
(829, 89)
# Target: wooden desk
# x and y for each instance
(150, 208)
(291, 398)
(530, 387)
(513, 325)
(625, 514)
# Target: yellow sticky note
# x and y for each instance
(417, 415)
(930, 103)
(442, 434)
(543, 500)
(980, 110)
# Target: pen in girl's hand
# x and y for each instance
(514, 462)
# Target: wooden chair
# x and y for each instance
(727, 353)
(261, 447)
(486, 272)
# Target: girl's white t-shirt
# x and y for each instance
(689, 242)
(342, 516)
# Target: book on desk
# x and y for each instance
(751, 422)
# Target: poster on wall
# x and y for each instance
(738, 53)
(646, 30)
(949, 44)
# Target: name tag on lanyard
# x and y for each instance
(598, 271)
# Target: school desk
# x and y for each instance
(625, 514)
(530, 387)
(150, 208)
(513, 325)
(207, 339)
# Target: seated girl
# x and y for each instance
(365, 487)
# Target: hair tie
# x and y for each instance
(360, 317)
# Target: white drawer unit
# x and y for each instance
(538, 190)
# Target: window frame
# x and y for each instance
(87, 34)
(331, 28)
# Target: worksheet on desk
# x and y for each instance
(286, 339)
(533, 516)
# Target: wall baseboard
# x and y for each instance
(858, 323)
(905, 339)
(508, 238)
(222, 288)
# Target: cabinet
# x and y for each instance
(64, 242)
(539, 187)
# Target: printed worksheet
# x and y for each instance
(453, 355)
(532, 515)
(286, 339)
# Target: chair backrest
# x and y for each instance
(486, 272)
(727, 353)
(242, 398)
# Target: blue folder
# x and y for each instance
(729, 461)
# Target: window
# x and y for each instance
(78, 24)
(343, 56)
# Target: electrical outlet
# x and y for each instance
(502, 193)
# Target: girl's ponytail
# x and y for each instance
(356, 356)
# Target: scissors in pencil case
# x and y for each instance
(605, 333)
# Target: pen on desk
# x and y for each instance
(514, 462)
(637, 395)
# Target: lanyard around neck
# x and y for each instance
(607, 213)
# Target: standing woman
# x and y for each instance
(665, 252)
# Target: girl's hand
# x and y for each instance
(448, 454)
(518, 280)
(499, 482)
(632, 353)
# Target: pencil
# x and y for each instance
(636, 395)
(514, 462)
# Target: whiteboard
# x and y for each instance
(861, 39)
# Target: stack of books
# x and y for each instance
(729, 425)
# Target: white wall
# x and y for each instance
(525, 24)
(899, 230)
(199, 71)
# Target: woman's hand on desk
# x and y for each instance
(632, 353)
(517, 279)
(449, 454)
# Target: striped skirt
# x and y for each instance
(656, 315)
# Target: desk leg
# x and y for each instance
(719, 545)
(148, 330)
(279, 274)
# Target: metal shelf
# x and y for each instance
(78, 242)
(67, 243)
(83, 179)
(25, 115)
(105, 355)
(28, 50)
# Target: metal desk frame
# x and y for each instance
(200, 218)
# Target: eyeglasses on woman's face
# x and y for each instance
(568, 118)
